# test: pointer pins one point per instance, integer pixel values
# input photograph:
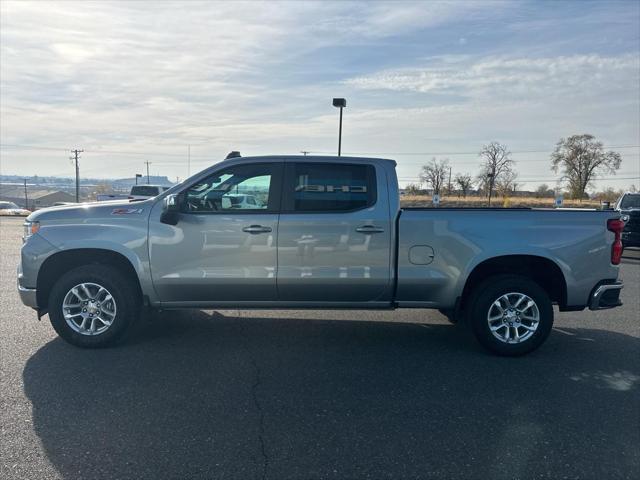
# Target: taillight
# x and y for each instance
(616, 226)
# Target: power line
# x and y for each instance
(458, 153)
(178, 155)
(113, 152)
(517, 160)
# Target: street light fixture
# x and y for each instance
(340, 103)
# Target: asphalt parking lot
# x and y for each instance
(317, 394)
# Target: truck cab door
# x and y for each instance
(222, 249)
(334, 235)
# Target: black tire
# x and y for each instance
(488, 292)
(122, 289)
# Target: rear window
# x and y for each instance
(144, 190)
(331, 187)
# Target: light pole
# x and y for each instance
(340, 103)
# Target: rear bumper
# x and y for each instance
(606, 296)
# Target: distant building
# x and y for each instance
(39, 198)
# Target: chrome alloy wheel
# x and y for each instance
(513, 317)
(89, 308)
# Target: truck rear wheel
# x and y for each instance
(510, 314)
(93, 306)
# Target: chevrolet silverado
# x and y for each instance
(324, 232)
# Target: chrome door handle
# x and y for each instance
(256, 229)
(369, 229)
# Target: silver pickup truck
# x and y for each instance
(318, 232)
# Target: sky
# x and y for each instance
(130, 82)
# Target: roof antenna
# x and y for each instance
(233, 154)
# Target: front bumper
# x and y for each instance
(606, 296)
(28, 296)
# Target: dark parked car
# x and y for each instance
(629, 205)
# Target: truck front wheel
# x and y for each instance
(510, 314)
(93, 306)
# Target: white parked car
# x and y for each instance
(142, 192)
(11, 209)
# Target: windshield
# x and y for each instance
(7, 205)
(630, 201)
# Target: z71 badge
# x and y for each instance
(126, 211)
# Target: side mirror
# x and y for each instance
(171, 209)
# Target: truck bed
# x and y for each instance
(438, 248)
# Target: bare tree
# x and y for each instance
(581, 158)
(464, 182)
(496, 163)
(435, 174)
(608, 195)
(543, 190)
(506, 183)
(412, 189)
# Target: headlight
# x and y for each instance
(30, 228)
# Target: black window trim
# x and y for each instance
(275, 187)
(288, 201)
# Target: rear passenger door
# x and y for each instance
(334, 234)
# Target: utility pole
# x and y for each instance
(26, 199)
(304, 152)
(75, 157)
(147, 163)
(449, 189)
(188, 161)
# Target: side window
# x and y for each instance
(326, 187)
(230, 190)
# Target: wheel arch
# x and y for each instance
(544, 271)
(66, 260)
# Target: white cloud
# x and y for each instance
(503, 77)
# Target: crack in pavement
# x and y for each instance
(256, 401)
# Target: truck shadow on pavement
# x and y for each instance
(191, 396)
